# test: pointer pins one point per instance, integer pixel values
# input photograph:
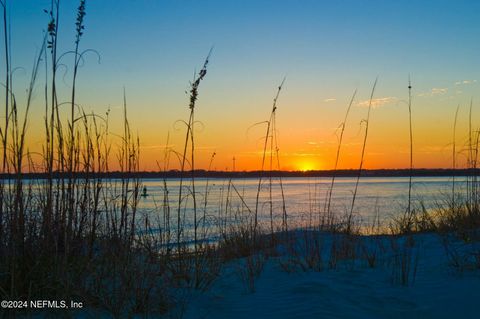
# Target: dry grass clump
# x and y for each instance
(459, 212)
(404, 260)
(251, 270)
(74, 234)
(461, 218)
(461, 256)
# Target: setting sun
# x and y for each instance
(307, 166)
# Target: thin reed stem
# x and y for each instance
(411, 146)
(272, 114)
(367, 122)
(189, 137)
(454, 155)
(337, 157)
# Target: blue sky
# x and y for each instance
(325, 48)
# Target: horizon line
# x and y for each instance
(174, 173)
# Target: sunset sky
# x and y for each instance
(326, 50)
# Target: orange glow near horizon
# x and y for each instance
(307, 140)
(430, 151)
(305, 166)
(322, 60)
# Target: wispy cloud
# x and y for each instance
(319, 144)
(439, 91)
(378, 102)
(434, 92)
(465, 82)
(300, 154)
(329, 100)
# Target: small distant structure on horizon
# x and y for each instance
(144, 193)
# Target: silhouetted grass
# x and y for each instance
(81, 236)
(337, 157)
(362, 156)
(270, 134)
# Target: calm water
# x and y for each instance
(230, 201)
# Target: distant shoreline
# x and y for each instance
(424, 172)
